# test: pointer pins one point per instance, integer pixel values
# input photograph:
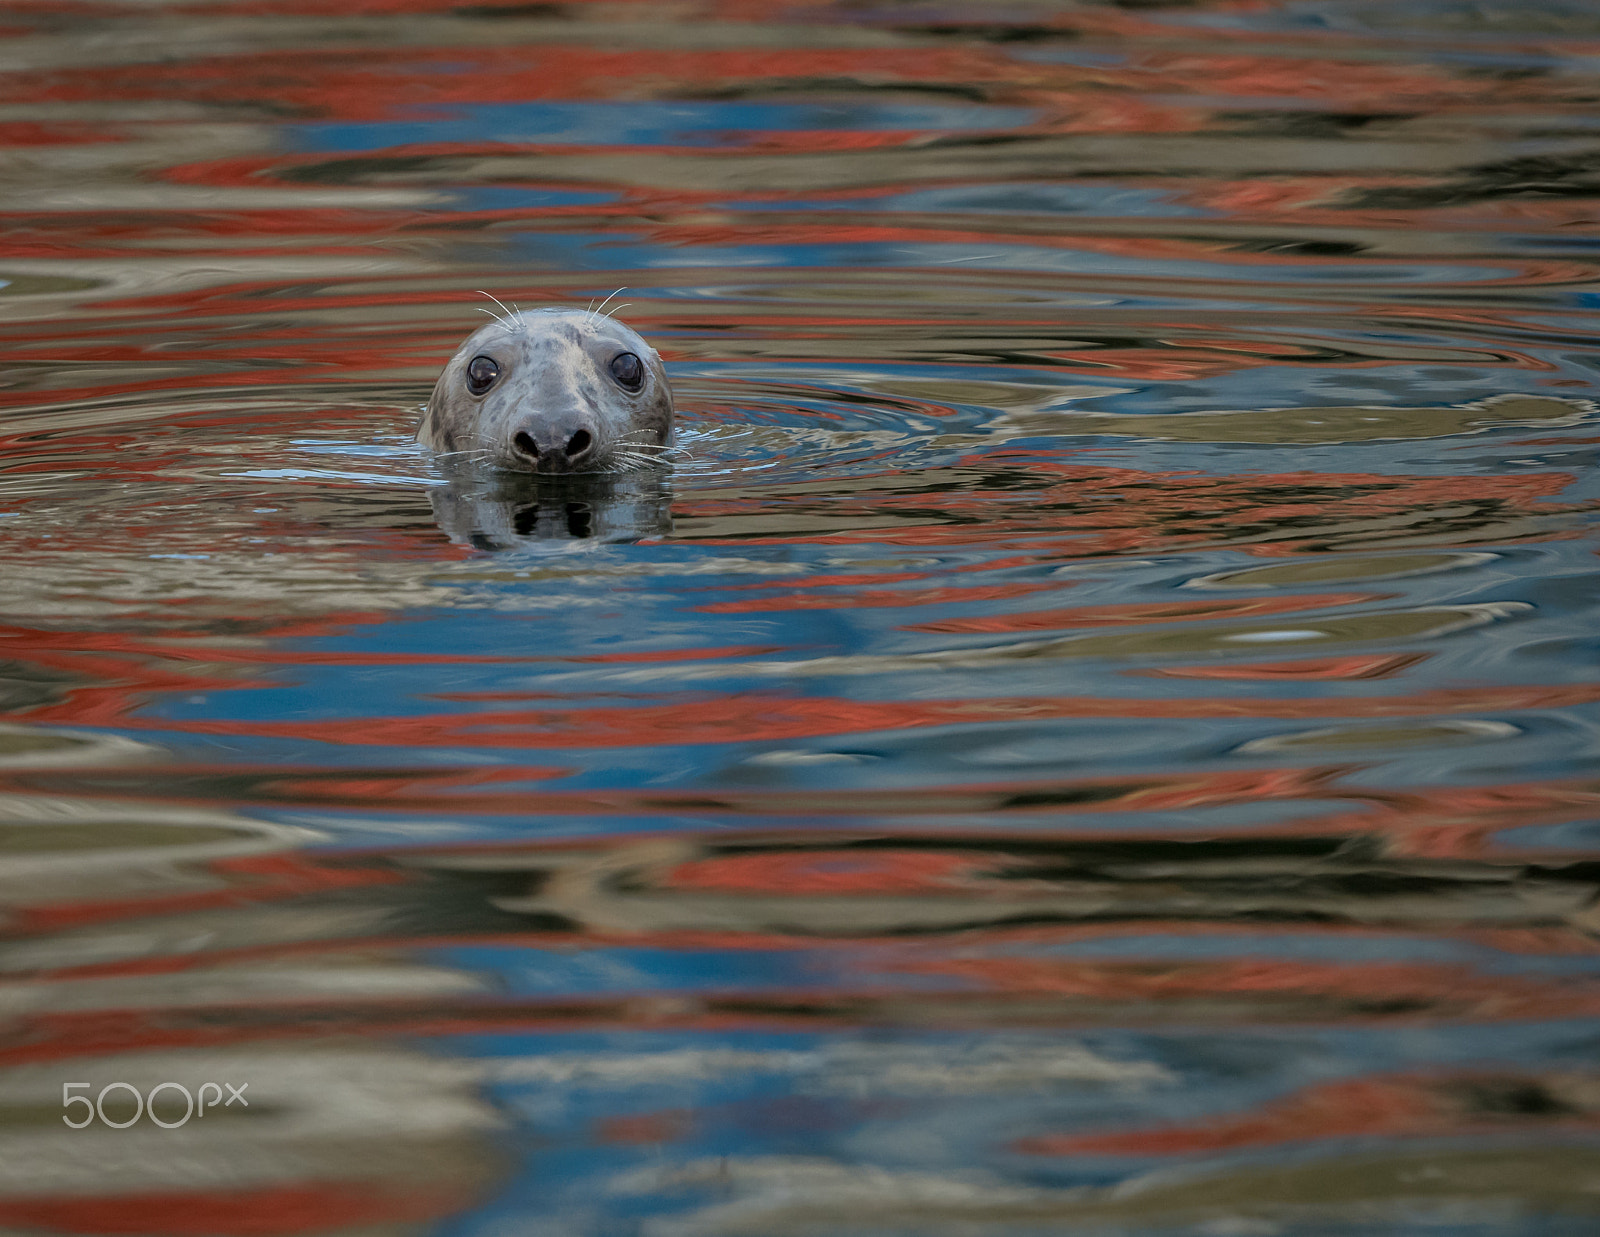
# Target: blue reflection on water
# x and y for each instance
(612, 123)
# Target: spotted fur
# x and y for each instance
(555, 384)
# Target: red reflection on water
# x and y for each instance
(1058, 507)
(770, 718)
(664, 1126)
(1422, 821)
(997, 990)
(1405, 991)
(367, 83)
(245, 881)
(299, 1207)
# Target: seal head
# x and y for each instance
(551, 391)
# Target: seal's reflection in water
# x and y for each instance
(498, 511)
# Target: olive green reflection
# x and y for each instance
(1418, 734)
(34, 285)
(34, 747)
(1310, 632)
(1332, 569)
(107, 835)
(20, 742)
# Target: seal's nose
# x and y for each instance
(547, 449)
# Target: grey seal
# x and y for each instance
(552, 391)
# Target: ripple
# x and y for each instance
(1339, 569)
(1176, 418)
(1420, 734)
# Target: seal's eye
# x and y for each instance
(628, 370)
(481, 373)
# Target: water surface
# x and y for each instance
(1097, 734)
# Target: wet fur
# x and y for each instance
(554, 380)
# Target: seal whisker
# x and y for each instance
(608, 300)
(506, 321)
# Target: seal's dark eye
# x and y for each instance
(628, 370)
(481, 373)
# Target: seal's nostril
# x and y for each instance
(524, 443)
(578, 444)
